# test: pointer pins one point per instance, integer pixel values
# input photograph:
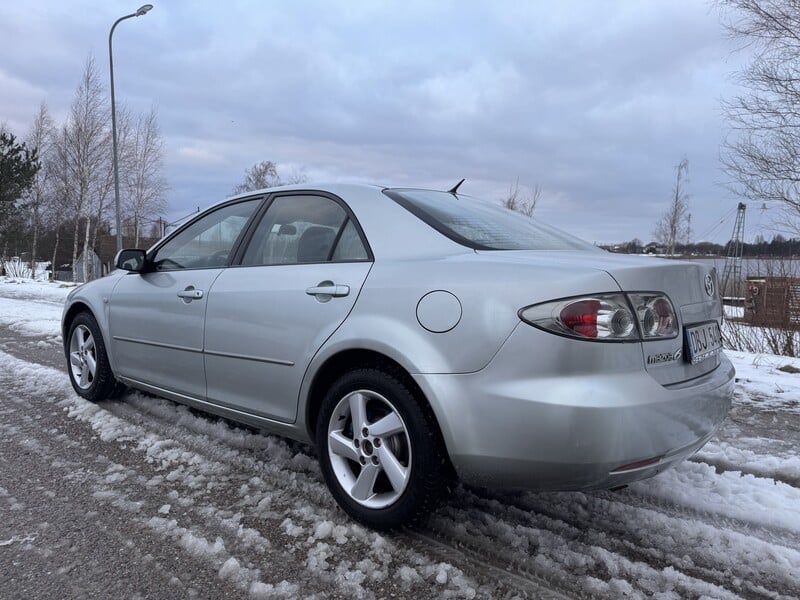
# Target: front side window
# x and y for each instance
(300, 229)
(207, 242)
(483, 225)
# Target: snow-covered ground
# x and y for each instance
(209, 509)
(32, 308)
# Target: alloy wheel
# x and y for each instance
(369, 449)
(82, 357)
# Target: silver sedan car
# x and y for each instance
(415, 337)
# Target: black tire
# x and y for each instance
(100, 385)
(428, 468)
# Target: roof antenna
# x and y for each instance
(454, 189)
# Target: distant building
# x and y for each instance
(95, 267)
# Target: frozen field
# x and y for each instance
(141, 497)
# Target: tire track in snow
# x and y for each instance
(773, 535)
(702, 576)
(533, 585)
(509, 581)
(723, 465)
(130, 429)
(472, 531)
(665, 543)
(71, 480)
(118, 496)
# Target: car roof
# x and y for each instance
(321, 186)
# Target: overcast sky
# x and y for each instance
(595, 101)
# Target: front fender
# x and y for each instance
(93, 297)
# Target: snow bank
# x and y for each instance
(52, 291)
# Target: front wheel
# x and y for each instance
(380, 453)
(88, 366)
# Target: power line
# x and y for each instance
(717, 225)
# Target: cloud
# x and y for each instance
(595, 101)
(199, 155)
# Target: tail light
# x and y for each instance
(607, 317)
(656, 316)
(601, 317)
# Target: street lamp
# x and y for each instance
(142, 10)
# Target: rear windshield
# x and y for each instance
(483, 225)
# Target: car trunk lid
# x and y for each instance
(696, 301)
(692, 288)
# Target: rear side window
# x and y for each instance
(350, 247)
(299, 229)
(483, 225)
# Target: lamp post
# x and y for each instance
(142, 10)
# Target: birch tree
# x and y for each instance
(88, 154)
(63, 196)
(41, 137)
(144, 183)
(674, 225)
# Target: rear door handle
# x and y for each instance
(326, 290)
(190, 294)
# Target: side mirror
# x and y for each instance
(131, 260)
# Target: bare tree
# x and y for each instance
(264, 174)
(674, 225)
(40, 137)
(88, 140)
(296, 175)
(144, 182)
(762, 152)
(63, 196)
(522, 200)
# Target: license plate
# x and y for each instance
(703, 341)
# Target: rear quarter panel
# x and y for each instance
(490, 293)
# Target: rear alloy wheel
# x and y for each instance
(89, 369)
(380, 454)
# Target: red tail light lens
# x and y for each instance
(581, 317)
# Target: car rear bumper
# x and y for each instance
(576, 430)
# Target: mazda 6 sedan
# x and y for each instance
(415, 337)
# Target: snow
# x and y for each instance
(764, 384)
(51, 291)
(733, 312)
(725, 524)
(730, 457)
(33, 308)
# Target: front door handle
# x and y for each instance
(325, 290)
(190, 293)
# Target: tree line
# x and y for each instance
(57, 182)
(778, 246)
